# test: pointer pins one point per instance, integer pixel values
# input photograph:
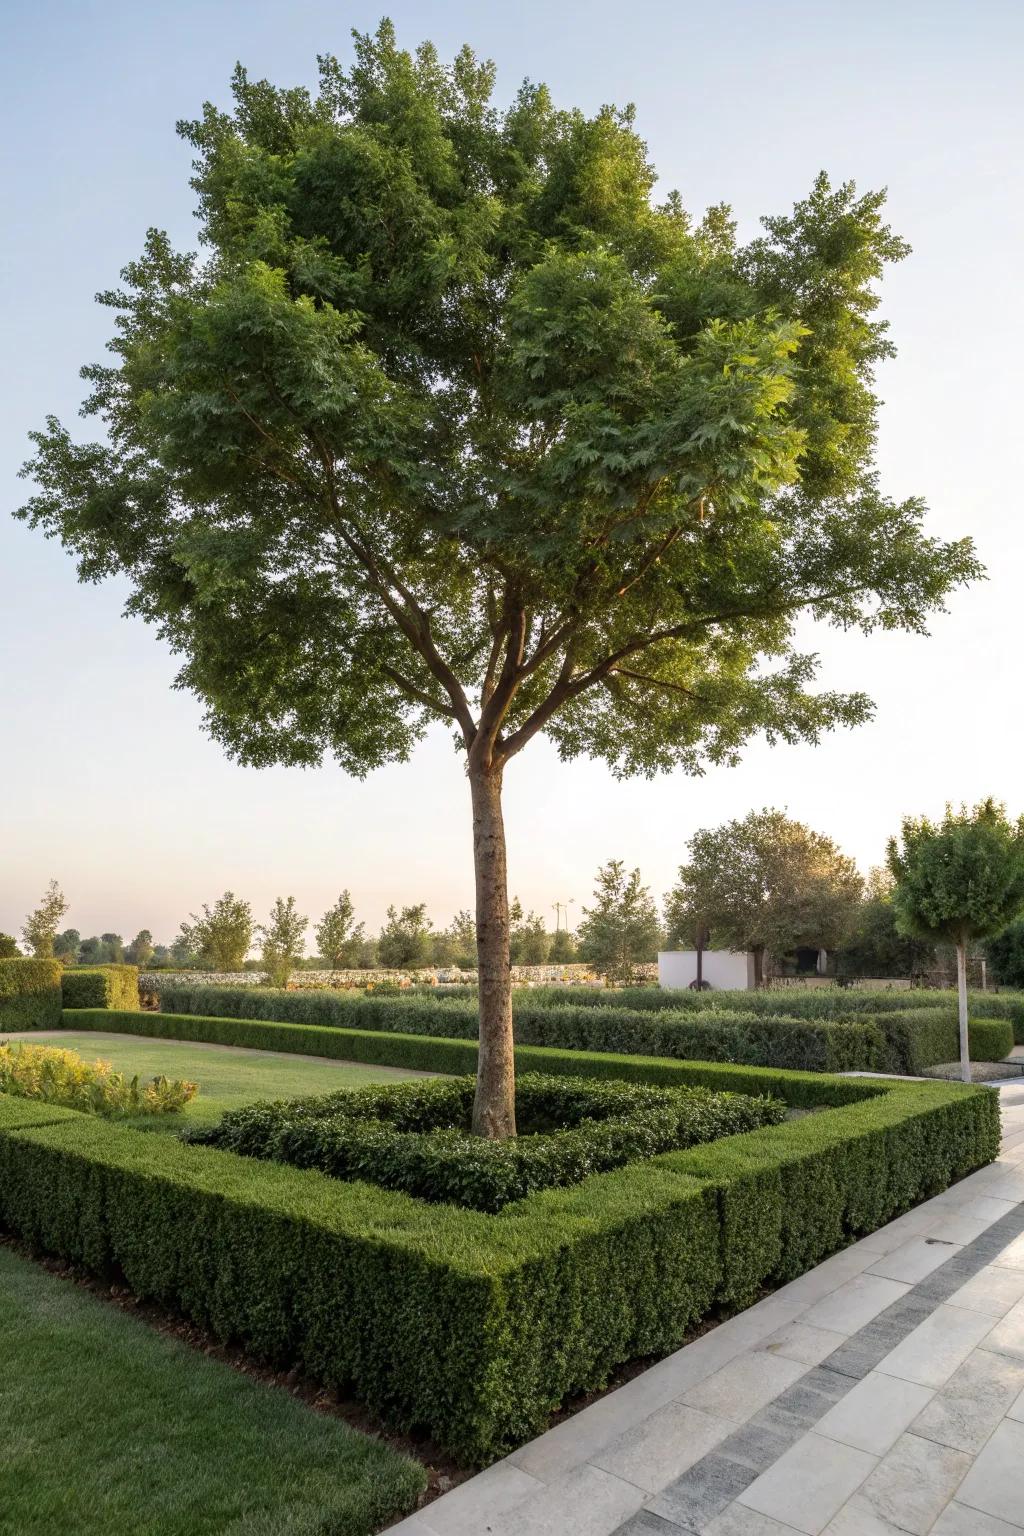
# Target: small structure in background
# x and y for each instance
(723, 969)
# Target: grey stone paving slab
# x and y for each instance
(809, 1484)
(991, 1290)
(694, 1499)
(972, 1402)
(957, 1520)
(874, 1413)
(937, 1346)
(914, 1482)
(663, 1447)
(470, 1507)
(855, 1303)
(738, 1521)
(995, 1483)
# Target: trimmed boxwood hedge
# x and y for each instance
(804, 1090)
(468, 1326)
(29, 994)
(903, 1040)
(415, 1136)
(101, 986)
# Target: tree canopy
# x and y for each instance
(765, 883)
(40, 930)
(621, 930)
(452, 421)
(961, 878)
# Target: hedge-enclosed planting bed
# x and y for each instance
(897, 1040)
(471, 1326)
(416, 1136)
(29, 994)
(101, 986)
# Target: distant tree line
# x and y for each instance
(765, 884)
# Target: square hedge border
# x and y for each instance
(474, 1328)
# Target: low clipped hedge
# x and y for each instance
(902, 1040)
(415, 1136)
(101, 986)
(474, 1327)
(30, 996)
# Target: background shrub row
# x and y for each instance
(468, 1326)
(30, 995)
(901, 1040)
(101, 986)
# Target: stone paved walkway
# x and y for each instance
(880, 1393)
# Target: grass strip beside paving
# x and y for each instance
(107, 1426)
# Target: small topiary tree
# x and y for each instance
(957, 881)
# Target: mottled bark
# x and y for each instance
(494, 1109)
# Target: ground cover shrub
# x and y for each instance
(902, 1039)
(29, 994)
(61, 1077)
(416, 1136)
(475, 1326)
(101, 986)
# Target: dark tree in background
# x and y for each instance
(452, 422)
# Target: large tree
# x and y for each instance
(765, 884)
(958, 880)
(453, 422)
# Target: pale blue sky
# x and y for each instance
(107, 782)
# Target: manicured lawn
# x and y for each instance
(227, 1077)
(108, 1427)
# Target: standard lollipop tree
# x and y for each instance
(957, 881)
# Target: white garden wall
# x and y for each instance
(723, 969)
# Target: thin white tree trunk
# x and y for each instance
(961, 987)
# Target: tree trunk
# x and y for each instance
(758, 953)
(961, 987)
(700, 957)
(494, 1108)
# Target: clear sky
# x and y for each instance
(106, 781)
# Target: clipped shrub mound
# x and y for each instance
(101, 986)
(415, 1136)
(29, 994)
(61, 1077)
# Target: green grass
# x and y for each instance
(109, 1427)
(227, 1077)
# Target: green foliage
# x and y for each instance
(67, 944)
(621, 930)
(894, 1036)
(8, 947)
(563, 949)
(101, 986)
(141, 950)
(448, 360)
(283, 941)
(470, 1326)
(339, 938)
(529, 943)
(764, 883)
(30, 996)
(219, 940)
(40, 928)
(416, 1136)
(962, 878)
(1005, 952)
(61, 1077)
(405, 941)
(874, 945)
